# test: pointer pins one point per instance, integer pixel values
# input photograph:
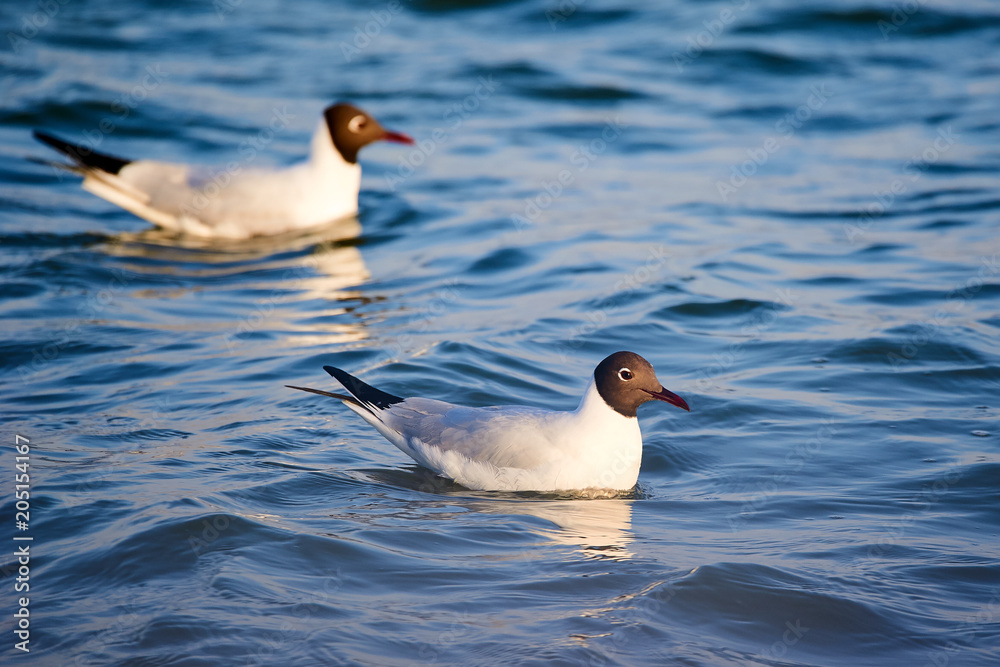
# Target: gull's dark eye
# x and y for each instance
(625, 374)
(357, 124)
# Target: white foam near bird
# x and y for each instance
(520, 448)
(238, 203)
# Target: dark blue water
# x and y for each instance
(791, 209)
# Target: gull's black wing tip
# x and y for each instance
(364, 393)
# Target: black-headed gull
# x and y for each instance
(238, 201)
(516, 448)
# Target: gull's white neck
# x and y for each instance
(335, 182)
(608, 441)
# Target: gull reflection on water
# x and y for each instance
(328, 250)
(597, 528)
(260, 278)
(593, 524)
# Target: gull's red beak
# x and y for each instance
(669, 397)
(397, 137)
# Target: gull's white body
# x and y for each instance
(238, 203)
(516, 448)
(595, 448)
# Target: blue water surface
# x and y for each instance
(791, 209)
